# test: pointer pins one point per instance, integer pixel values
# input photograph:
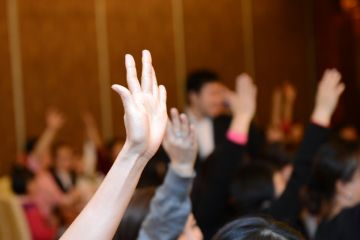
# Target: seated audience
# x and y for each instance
(62, 170)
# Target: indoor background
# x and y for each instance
(67, 53)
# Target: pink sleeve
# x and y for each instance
(238, 138)
(39, 227)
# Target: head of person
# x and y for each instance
(348, 133)
(255, 187)
(64, 156)
(337, 177)
(280, 158)
(205, 93)
(261, 228)
(22, 180)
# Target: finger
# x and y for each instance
(125, 95)
(192, 134)
(340, 89)
(168, 131)
(162, 97)
(176, 125)
(185, 125)
(155, 87)
(146, 76)
(131, 75)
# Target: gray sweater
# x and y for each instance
(169, 209)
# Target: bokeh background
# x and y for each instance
(66, 54)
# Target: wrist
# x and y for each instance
(183, 169)
(132, 153)
(321, 117)
(240, 124)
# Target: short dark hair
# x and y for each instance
(253, 188)
(257, 227)
(197, 79)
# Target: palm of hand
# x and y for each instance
(180, 140)
(147, 126)
(182, 149)
(145, 107)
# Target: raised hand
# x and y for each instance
(243, 103)
(180, 143)
(328, 93)
(145, 107)
(289, 92)
(54, 119)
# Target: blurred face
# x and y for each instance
(349, 193)
(64, 158)
(349, 134)
(210, 101)
(31, 187)
(281, 179)
(191, 230)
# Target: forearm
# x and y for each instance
(288, 112)
(101, 216)
(44, 142)
(169, 208)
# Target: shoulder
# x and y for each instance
(344, 226)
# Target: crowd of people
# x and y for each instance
(209, 173)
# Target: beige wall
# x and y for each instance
(68, 62)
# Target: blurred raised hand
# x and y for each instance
(54, 119)
(243, 103)
(328, 93)
(180, 143)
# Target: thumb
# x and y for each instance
(125, 95)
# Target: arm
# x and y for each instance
(54, 121)
(145, 123)
(222, 164)
(91, 130)
(329, 90)
(171, 206)
(289, 99)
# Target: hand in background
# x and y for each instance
(328, 93)
(54, 119)
(243, 103)
(180, 143)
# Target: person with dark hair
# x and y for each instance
(206, 102)
(287, 206)
(337, 184)
(252, 190)
(210, 201)
(63, 171)
(260, 228)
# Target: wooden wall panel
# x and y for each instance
(214, 37)
(58, 43)
(7, 126)
(336, 46)
(283, 40)
(134, 25)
